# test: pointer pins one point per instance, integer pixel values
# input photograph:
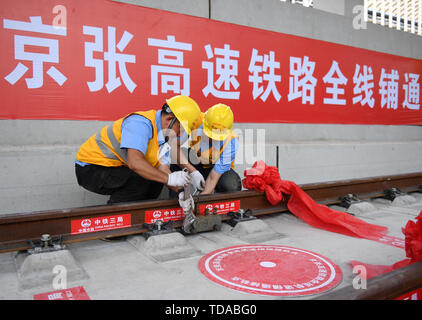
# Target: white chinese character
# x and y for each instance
(302, 82)
(119, 219)
(411, 91)
(170, 66)
(266, 62)
(389, 89)
(364, 82)
(105, 221)
(111, 56)
(337, 80)
(226, 68)
(38, 59)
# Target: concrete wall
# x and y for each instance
(37, 157)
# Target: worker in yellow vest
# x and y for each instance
(212, 151)
(128, 160)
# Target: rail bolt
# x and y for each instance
(46, 239)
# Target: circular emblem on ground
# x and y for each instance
(271, 270)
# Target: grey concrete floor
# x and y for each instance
(136, 269)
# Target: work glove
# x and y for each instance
(178, 179)
(187, 205)
(197, 180)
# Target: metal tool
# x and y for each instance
(190, 221)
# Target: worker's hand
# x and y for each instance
(188, 204)
(178, 179)
(197, 180)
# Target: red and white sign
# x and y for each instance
(271, 270)
(100, 223)
(76, 293)
(222, 207)
(413, 295)
(100, 60)
(391, 241)
(164, 215)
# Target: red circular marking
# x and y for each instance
(271, 270)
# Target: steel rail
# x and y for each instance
(17, 230)
(388, 286)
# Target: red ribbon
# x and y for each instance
(267, 179)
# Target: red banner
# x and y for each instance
(100, 60)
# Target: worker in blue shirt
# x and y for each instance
(126, 159)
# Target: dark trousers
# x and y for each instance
(121, 183)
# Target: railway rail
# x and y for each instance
(20, 231)
(388, 286)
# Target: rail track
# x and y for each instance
(20, 231)
(17, 231)
(388, 286)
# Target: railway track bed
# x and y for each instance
(285, 257)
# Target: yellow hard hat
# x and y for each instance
(218, 122)
(187, 111)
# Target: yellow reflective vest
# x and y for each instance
(208, 156)
(103, 148)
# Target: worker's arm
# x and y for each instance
(179, 157)
(136, 133)
(222, 165)
(165, 168)
(138, 163)
(211, 182)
